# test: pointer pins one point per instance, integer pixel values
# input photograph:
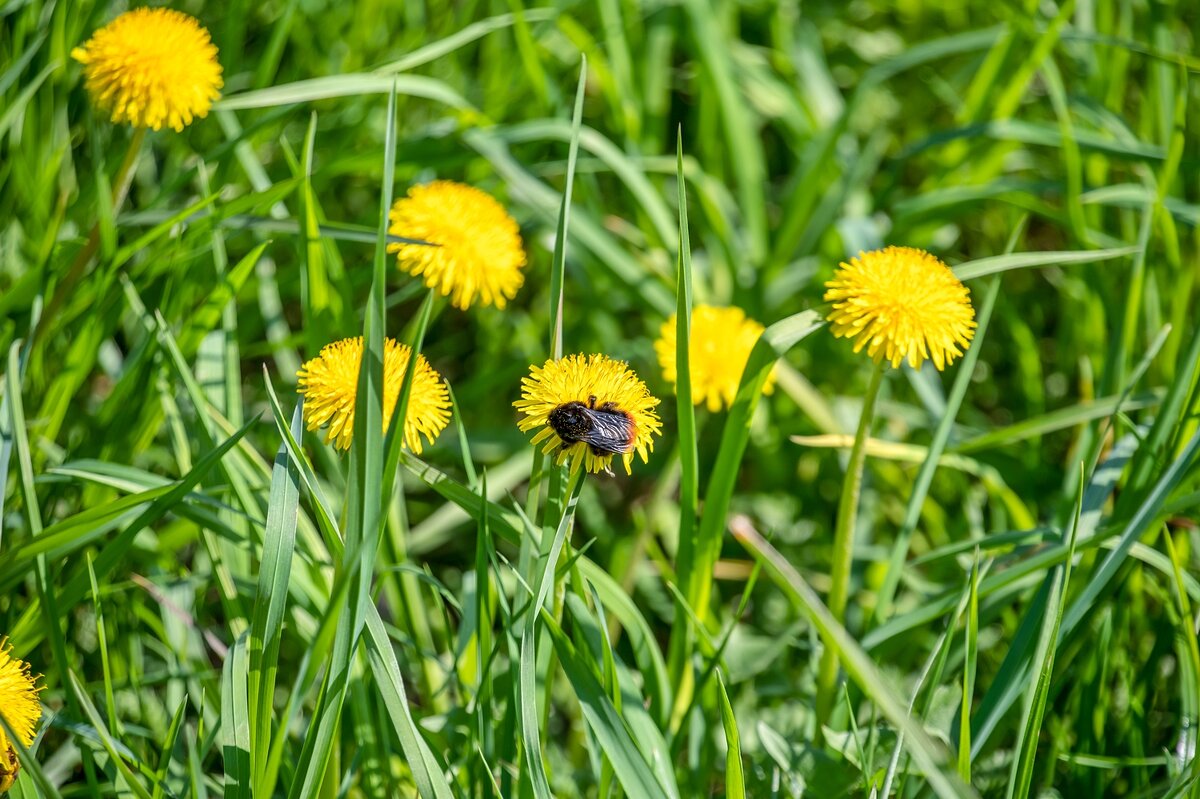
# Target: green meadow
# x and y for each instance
(849, 580)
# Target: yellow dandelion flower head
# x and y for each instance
(329, 384)
(21, 710)
(721, 341)
(901, 303)
(151, 67)
(477, 246)
(584, 398)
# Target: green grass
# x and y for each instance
(221, 604)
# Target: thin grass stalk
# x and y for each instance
(682, 640)
(843, 547)
(558, 279)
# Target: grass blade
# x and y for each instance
(428, 775)
(971, 655)
(235, 723)
(1021, 775)
(1028, 260)
(773, 344)
(118, 758)
(858, 666)
(346, 85)
(270, 603)
(605, 722)
(735, 780)
(689, 479)
(527, 670)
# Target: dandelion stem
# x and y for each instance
(124, 177)
(843, 548)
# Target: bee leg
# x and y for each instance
(591, 403)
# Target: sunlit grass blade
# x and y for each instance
(118, 758)
(168, 750)
(558, 275)
(773, 344)
(1060, 419)
(270, 603)
(48, 598)
(513, 528)
(1027, 260)
(483, 614)
(593, 143)
(1137, 526)
(393, 441)
(318, 297)
(69, 535)
(735, 780)
(594, 642)
(559, 257)
(1189, 656)
(345, 85)
(102, 643)
(930, 675)
(235, 723)
(325, 516)
(858, 666)
(630, 767)
(464, 36)
(1020, 781)
(970, 664)
(464, 444)
(685, 420)
(1166, 423)
(427, 773)
(527, 670)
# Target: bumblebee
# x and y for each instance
(607, 429)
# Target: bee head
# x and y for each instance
(571, 421)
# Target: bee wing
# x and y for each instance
(611, 432)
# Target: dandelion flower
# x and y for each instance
(585, 397)
(21, 710)
(329, 384)
(901, 303)
(717, 353)
(151, 67)
(477, 245)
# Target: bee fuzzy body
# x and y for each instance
(605, 428)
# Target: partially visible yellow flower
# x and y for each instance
(477, 252)
(589, 397)
(151, 67)
(329, 384)
(901, 303)
(21, 710)
(717, 353)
